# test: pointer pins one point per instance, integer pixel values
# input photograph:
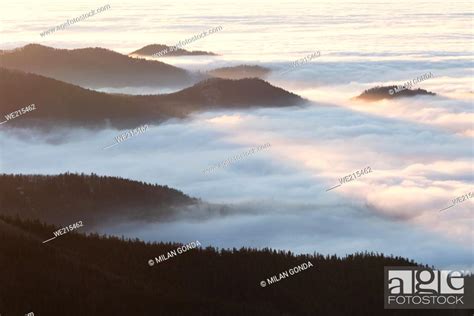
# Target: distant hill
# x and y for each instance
(234, 93)
(64, 198)
(240, 72)
(79, 275)
(94, 67)
(388, 92)
(153, 49)
(62, 104)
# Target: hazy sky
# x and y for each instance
(253, 29)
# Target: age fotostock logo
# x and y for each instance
(416, 287)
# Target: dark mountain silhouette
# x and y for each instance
(379, 93)
(152, 49)
(62, 104)
(216, 92)
(67, 198)
(94, 67)
(97, 275)
(240, 72)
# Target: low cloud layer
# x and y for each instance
(420, 151)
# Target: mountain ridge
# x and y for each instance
(390, 92)
(240, 72)
(90, 198)
(59, 103)
(152, 49)
(94, 67)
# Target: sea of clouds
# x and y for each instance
(420, 149)
(278, 197)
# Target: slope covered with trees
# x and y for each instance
(153, 49)
(94, 67)
(390, 92)
(62, 104)
(98, 275)
(240, 72)
(67, 198)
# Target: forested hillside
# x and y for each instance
(67, 198)
(98, 275)
(59, 104)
